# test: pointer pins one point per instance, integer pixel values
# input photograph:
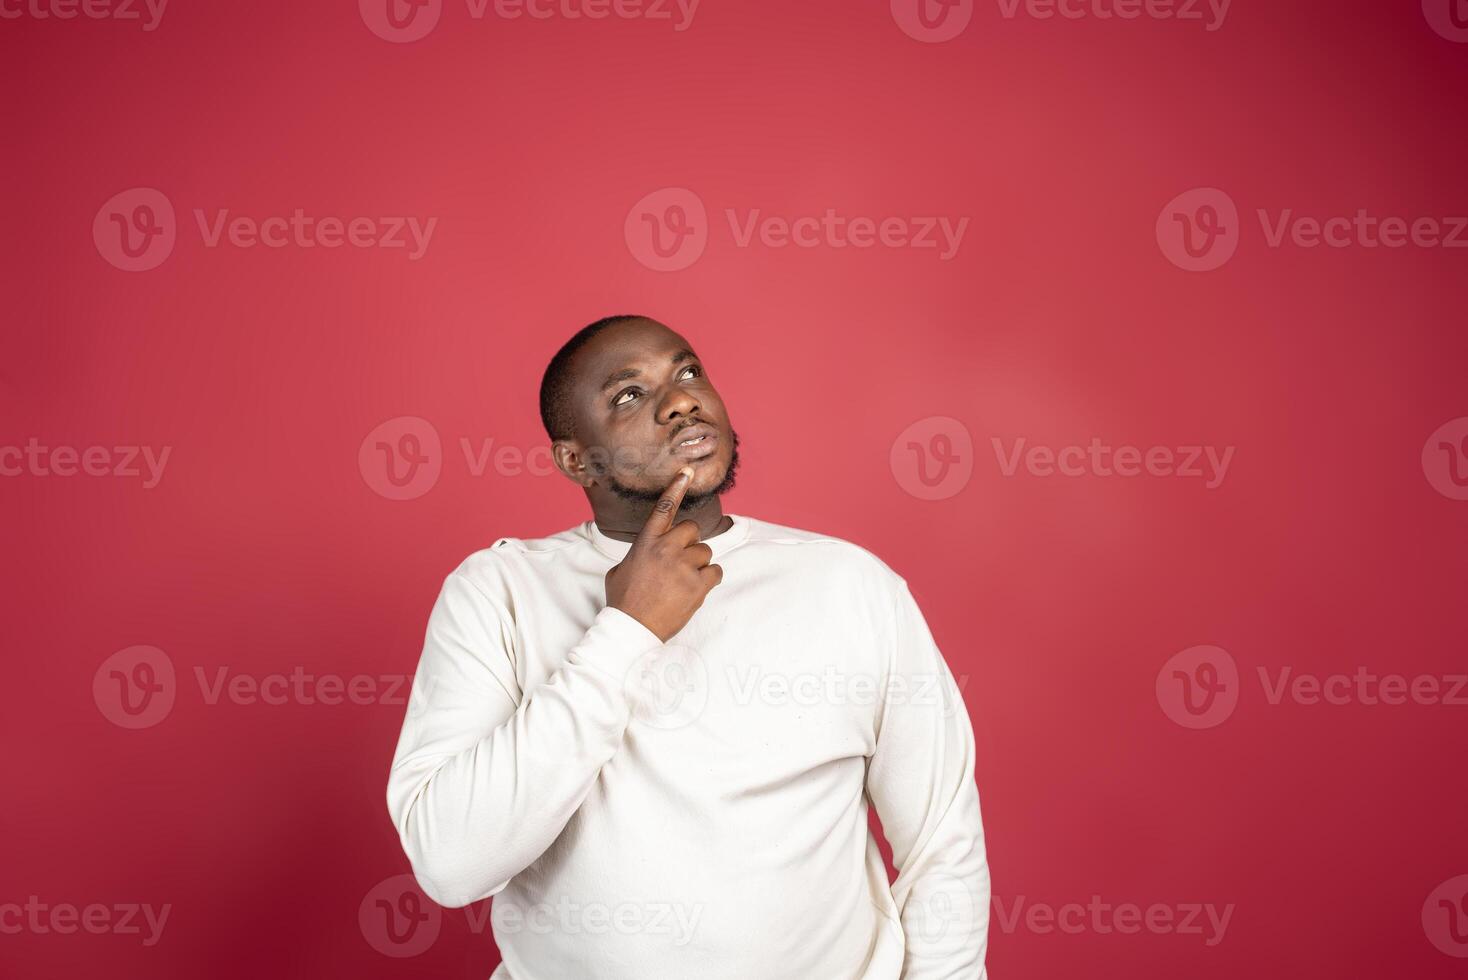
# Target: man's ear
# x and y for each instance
(572, 461)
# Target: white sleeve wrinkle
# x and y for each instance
(482, 782)
(921, 780)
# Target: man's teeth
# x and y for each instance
(689, 442)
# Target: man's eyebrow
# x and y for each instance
(625, 374)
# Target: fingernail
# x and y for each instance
(686, 471)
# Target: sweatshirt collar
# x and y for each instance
(720, 543)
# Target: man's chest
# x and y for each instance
(771, 666)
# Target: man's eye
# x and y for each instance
(683, 375)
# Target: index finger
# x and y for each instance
(667, 506)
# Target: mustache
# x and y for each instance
(684, 426)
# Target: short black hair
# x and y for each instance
(555, 385)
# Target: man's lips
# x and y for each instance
(694, 441)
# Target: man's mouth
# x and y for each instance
(695, 441)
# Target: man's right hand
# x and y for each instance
(666, 574)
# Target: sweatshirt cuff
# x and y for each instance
(614, 642)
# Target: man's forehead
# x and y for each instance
(626, 346)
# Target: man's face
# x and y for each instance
(644, 408)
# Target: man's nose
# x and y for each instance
(678, 403)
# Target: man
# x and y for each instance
(653, 736)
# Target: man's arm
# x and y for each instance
(921, 780)
(484, 780)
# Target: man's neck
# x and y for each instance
(624, 520)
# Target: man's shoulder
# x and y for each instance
(569, 538)
(488, 568)
(818, 546)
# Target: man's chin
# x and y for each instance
(650, 495)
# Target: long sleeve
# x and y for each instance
(921, 780)
(484, 780)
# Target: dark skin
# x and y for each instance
(639, 391)
(622, 454)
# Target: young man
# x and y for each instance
(653, 736)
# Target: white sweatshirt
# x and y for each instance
(696, 809)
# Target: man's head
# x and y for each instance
(621, 402)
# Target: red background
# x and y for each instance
(264, 549)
